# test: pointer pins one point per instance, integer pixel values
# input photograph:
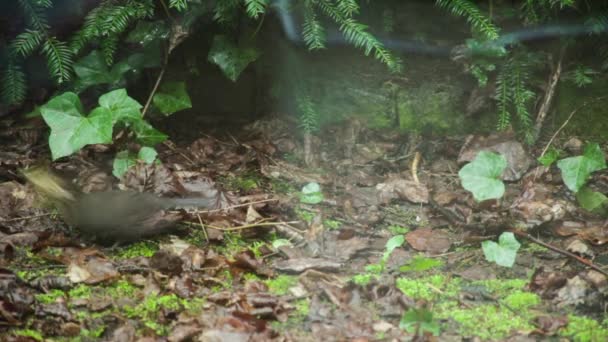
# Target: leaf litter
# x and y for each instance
(383, 250)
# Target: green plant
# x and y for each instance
(482, 176)
(576, 170)
(374, 270)
(419, 321)
(504, 252)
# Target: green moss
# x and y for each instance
(582, 329)
(332, 224)
(282, 187)
(502, 287)
(50, 297)
(29, 333)
(520, 300)
(590, 120)
(139, 249)
(302, 308)
(398, 230)
(148, 310)
(304, 215)
(121, 288)
(244, 183)
(281, 284)
(486, 322)
(80, 291)
(429, 288)
(420, 263)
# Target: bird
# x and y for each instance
(114, 216)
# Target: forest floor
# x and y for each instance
(377, 241)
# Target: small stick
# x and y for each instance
(252, 225)
(560, 251)
(566, 123)
(22, 218)
(237, 206)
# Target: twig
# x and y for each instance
(552, 84)
(566, 123)
(252, 225)
(560, 251)
(200, 221)
(414, 167)
(22, 218)
(155, 88)
(237, 206)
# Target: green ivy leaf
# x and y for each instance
(276, 244)
(576, 170)
(70, 129)
(592, 201)
(549, 157)
(391, 244)
(172, 97)
(121, 105)
(482, 176)
(420, 320)
(311, 194)
(504, 252)
(146, 32)
(92, 70)
(124, 160)
(146, 134)
(147, 154)
(231, 58)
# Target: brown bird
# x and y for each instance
(111, 216)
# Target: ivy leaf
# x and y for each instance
(147, 154)
(121, 105)
(70, 129)
(549, 158)
(229, 57)
(482, 176)
(504, 252)
(391, 244)
(576, 170)
(124, 160)
(146, 134)
(420, 320)
(592, 201)
(92, 70)
(146, 32)
(276, 244)
(172, 97)
(311, 194)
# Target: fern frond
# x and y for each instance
(226, 10)
(180, 5)
(472, 14)
(34, 14)
(26, 43)
(110, 19)
(312, 30)
(59, 59)
(503, 97)
(310, 119)
(598, 23)
(356, 34)
(255, 8)
(13, 84)
(348, 8)
(108, 46)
